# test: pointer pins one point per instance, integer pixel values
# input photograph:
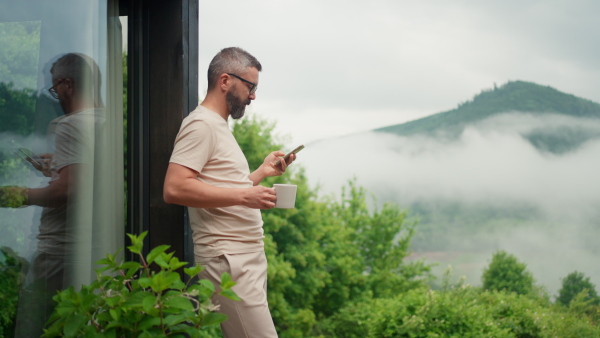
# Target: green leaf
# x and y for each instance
(144, 282)
(135, 299)
(137, 242)
(193, 271)
(163, 260)
(65, 308)
(113, 301)
(189, 331)
(179, 302)
(73, 324)
(131, 267)
(163, 280)
(175, 319)
(156, 252)
(152, 332)
(207, 284)
(175, 264)
(115, 314)
(229, 294)
(212, 318)
(104, 317)
(226, 281)
(148, 304)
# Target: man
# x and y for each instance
(72, 138)
(209, 174)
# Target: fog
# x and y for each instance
(490, 164)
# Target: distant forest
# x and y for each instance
(514, 96)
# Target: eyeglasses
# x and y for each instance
(254, 85)
(52, 89)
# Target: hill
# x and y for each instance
(474, 183)
(514, 96)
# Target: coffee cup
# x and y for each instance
(286, 195)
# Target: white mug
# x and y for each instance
(286, 195)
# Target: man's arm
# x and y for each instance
(57, 192)
(181, 187)
(268, 168)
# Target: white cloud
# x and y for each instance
(490, 164)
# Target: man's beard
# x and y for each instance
(236, 106)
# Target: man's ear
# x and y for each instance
(224, 82)
(70, 85)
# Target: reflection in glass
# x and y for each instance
(61, 156)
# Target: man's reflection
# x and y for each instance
(76, 85)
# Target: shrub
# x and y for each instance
(574, 284)
(453, 312)
(505, 272)
(138, 302)
(11, 278)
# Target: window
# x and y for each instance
(75, 141)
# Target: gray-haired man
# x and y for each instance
(209, 174)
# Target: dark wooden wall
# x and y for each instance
(162, 90)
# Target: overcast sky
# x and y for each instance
(338, 67)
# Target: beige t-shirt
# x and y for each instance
(71, 139)
(205, 144)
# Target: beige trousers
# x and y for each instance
(250, 317)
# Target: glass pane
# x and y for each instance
(61, 152)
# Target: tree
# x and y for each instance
(574, 284)
(505, 272)
(325, 253)
(17, 109)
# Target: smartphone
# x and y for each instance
(29, 156)
(287, 156)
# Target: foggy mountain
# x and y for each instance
(515, 169)
(517, 96)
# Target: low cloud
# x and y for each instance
(491, 163)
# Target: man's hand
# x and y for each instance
(269, 168)
(259, 197)
(45, 167)
(13, 196)
(43, 164)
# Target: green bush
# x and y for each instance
(505, 272)
(417, 313)
(11, 279)
(462, 311)
(574, 284)
(139, 302)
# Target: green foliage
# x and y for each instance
(255, 137)
(417, 313)
(337, 269)
(458, 311)
(527, 316)
(574, 284)
(17, 109)
(18, 75)
(11, 279)
(12, 196)
(138, 301)
(325, 254)
(19, 56)
(505, 272)
(584, 306)
(13, 171)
